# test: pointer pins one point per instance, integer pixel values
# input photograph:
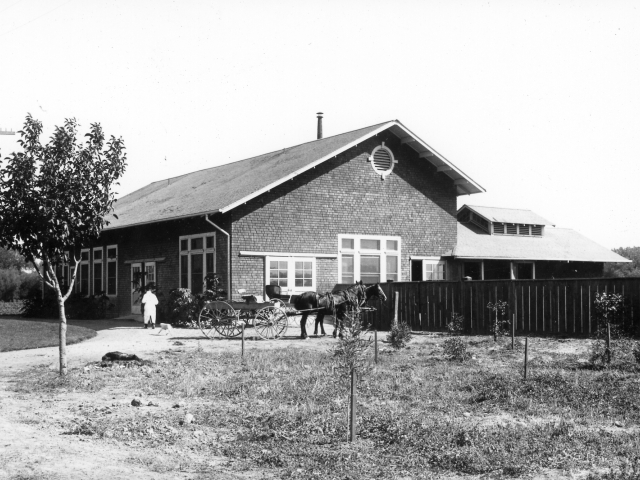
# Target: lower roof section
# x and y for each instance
(561, 244)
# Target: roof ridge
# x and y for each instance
(256, 156)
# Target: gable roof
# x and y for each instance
(508, 215)
(222, 188)
(561, 244)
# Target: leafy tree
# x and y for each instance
(56, 196)
(10, 259)
(624, 269)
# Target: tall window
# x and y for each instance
(371, 259)
(197, 259)
(83, 283)
(292, 274)
(97, 271)
(112, 270)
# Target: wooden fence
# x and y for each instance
(547, 307)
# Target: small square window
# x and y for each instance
(210, 242)
(84, 255)
(347, 243)
(392, 245)
(111, 252)
(184, 245)
(196, 243)
(367, 244)
(97, 254)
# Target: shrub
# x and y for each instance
(456, 349)
(9, 284)
(609, 309)
(456, 325)
(500, 325)
(93, 307)
(622, 348)
(29, 281)
(400, 335)
(183, 308)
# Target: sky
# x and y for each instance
(537, 101)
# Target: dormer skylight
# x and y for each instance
(503, 221)
(521, 229)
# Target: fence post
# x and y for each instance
(243, 339)
(352, 426)
(513, 332)
(375, 345)
(607, 352)
(526, 355)
(395, 312)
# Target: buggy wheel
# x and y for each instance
(206, 320)
(223, 318)
(270, 322)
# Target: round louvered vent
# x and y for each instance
(382, 160)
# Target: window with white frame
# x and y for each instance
(83, 280)
(368, 258)
(434, 269)
(112, 270)
(197, 259)
(291, 274)
(97, 271)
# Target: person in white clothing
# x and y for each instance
(149, 301)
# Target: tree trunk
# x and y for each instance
(63, 336)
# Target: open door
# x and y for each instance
(136, 279)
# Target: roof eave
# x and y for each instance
(465, 186)
(536, 259)
(148, 222)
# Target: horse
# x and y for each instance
(336, 304)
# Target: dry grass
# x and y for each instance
(285, 411)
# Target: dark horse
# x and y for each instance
(355, 296)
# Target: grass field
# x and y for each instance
(25, 334)
(285, 412)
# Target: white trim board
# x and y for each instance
(245, 253)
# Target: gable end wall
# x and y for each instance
(345, 196)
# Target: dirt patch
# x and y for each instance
(34, 443)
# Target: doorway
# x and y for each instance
(416, 271)
(136, 281)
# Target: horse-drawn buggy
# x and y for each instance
(271, 319)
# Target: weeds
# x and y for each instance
(456, 325)
(456, 349)
(280, 410)
(400, 335)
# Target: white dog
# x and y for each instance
(166, 327)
